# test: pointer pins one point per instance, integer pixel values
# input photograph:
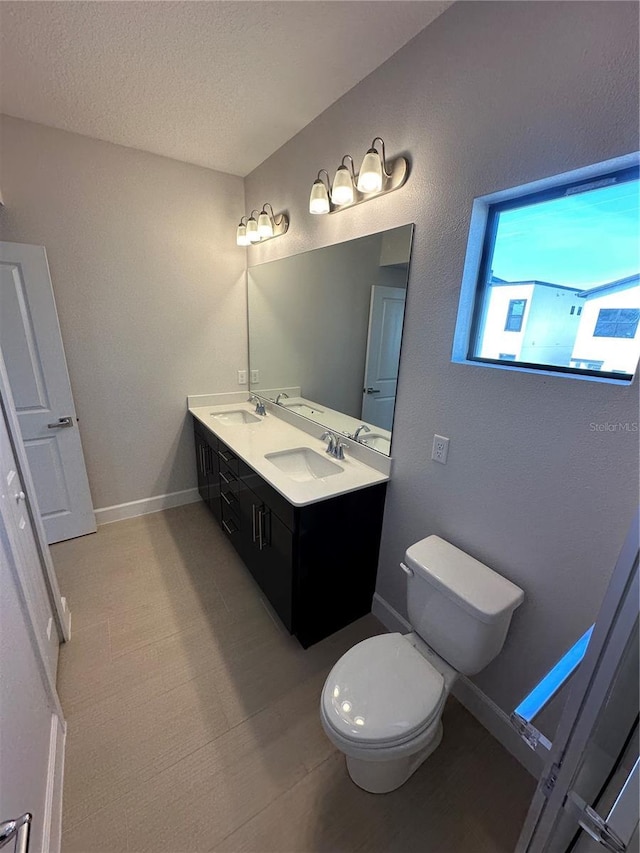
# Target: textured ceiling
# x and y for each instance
(220, 84)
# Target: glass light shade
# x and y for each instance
(252, 230)
(265, 226)
(241, 235)
(319, 199)
(370, 177)
(342, 189)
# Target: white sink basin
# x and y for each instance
(303, 464)
(239, 416)
(302, 409)
(376, 442)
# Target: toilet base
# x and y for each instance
(381, 777)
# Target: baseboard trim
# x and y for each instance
(119, 512)
(493, 718)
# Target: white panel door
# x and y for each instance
(20, 534)
(32, 728)
(34, 356)
(386, 315)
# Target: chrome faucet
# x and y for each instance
(260, 409)
(334, 446)
(361, 428)
(280, 396)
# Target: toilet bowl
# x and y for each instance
(361, 702)
(382, 702)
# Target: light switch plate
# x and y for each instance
(242, 377)
(255, 376)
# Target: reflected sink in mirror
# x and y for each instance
(303, 464)
(236, 417)
(302, 409)
(377, 442)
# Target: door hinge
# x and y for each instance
(549, 782)
(534, 739)
(593, 824)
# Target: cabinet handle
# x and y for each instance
(261, 540)
(205, 460)
(223, 456)
(226, 480)
(253, 522)
(228, 499)
(228, 529)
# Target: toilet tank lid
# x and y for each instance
(475, 587)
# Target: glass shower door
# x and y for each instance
(587, 797)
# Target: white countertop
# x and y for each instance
(252, 441)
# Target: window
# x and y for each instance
(515, 315)
(561, 268)
(617, 323)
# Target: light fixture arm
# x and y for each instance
(352, 164)
(384, 155)
(328, 183)
(275, 219)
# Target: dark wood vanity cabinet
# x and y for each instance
(208, 468)
(315, 564)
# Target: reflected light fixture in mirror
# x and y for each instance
(375, 178)
(265, 227)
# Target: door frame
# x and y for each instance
(61, 613)
(589, 692)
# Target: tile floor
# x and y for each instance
(193, 717)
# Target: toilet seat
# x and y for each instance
(382, 693)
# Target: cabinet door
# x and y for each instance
(201, 466)
(248, 506)
(275, 559)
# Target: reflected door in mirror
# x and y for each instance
(383, 355)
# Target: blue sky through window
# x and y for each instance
(581, 240)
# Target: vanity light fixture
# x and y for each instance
(319, 198)
(242, 238)
(266, 226)
(343, 183)
(376, 177)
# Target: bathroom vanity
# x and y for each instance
(306, 526)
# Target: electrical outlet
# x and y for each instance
(255, 376)
(440, 449)
(242, 377)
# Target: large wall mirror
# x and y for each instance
(325, 329)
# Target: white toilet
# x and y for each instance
(382, 702)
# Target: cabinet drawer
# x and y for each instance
(229, 498)
(228, 479)
(230, 523)
(228, 458)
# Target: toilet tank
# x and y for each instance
(460, 607)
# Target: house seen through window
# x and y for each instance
(559, 282)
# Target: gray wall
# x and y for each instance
(490, 96)
(150, 290)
